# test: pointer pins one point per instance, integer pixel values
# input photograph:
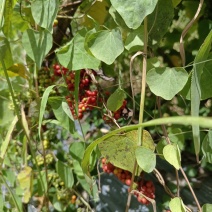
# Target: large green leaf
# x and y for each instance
(116, 99)
(146, 158)
(74, 56)
(166, 82)
(37, 44)
(176, 205)
(172, 154)
(120, 149)
(65, 173)
(207, 147)
(135, 11)
(183, 120)
(160, 20)
(44, 12)
(106, 45)
(198, 66)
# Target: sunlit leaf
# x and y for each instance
(106, 45)
(207, 208)
(166, 82)
(135, 12)
(37, 44)
(146, 159)
(44, 12)
(176, 205)
(172, 154)
(25, 178)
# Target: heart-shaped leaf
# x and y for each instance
(44, 12)
(172, 154)
(146, 158)
(166, 82)
(134, 12)
(176, 205)
(37, 44)
(106, 45)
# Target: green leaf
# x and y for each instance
(106, 45)
(171, 154)
(43, 106)
(65, 173)
(116, 99)
(67, 110)
(5, 52)
(166, 82)
(198, 66)
(176, 205)
(207, 208)
(37, 44)
(160, 20)
(182, 120)
(77, 150)
(120, 149)
(5, 143)
(61, 115)
(135, 12)
(74, 56)
(44, 12)
(176, 2)
(135, 40)
(207, 147)
(8, 13)
(205, 83)
(176, 137)
(146, 159)
(25, 178)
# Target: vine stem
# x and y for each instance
(141, 111)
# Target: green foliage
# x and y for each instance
(37, 44)
(135, 12)
(172, 154)
(116, 99)
(166, 82)
(106, 45)
(176, 204)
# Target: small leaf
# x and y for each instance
(176, 205)
(43, 106)
(116, 99)
(135, 40)
(135, 12)
(207, 147)
(67, 110)
(44, 12)
(166, 82)
(106, 45)
(74, 56)
(77, 150)
(65, 173)
(146, 159)
(37, 44)
(18, 69)
(207, 208)
(172, 154)
(25, 181)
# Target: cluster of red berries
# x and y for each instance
(145, 187)
(87, 97)
(123, 175)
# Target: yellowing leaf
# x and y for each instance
(18, 69)
(25, 179)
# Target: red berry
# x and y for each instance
(128, 182)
